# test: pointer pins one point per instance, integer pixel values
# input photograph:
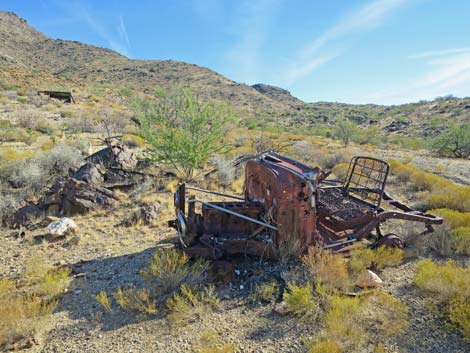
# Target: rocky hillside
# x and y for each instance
(31, 60)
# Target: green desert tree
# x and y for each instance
(455, 141)
(181, 129)
(346, 131)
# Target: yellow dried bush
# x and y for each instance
(169, 268)
(342, 321)
(301, 301)
(453, 218)
(460, 240)
(191, 304)
(449, 284)
(135, 300)
(325, 347)
(103, 299)
(267, 292)
(330, 269)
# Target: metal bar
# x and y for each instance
(214, 193)
(234, 213)
(339, 243)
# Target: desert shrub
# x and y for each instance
(455, 141)
(132, 299)
(453, 218)
(267, 292)
(449, 285)
(461, 240)
(191, 304)
(103, 299)
(443, 193)
(446, 281)
(301, 301)
(330, 269)
(459, 315)
(386, 315)
(169, 268)
(325, 347)
(342, 321)
(182, 130)
(226, 171)
(19, 314)
(341, 171)
(133, 141)
(11, 154)
(24, 304)
(346, 131)
(440, 240)
(329, 160)
(210, 342)
(363, 257)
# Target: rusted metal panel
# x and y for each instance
(284, 202)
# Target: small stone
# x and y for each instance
(368, 279)
(281, 308)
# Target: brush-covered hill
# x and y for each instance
(31, 60)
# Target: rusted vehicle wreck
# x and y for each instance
(288, 202)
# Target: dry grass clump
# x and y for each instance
(325, 347)
(103, 299)
(328, 268)
(341, 171)
(169, 268)
(301, 301)
(267, 292)
(24, 305)
(386, 315)
(211, 342)
(190, 305)
(363, 258)
(341, 321)
(449, 285)
(132, 299)
(455, 234)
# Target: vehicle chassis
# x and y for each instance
(288, 205)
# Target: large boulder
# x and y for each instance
(118, 156)
(146, 214)
(27, 216)
(81, 197)
(89, 173)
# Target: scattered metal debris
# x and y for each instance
(286, 203)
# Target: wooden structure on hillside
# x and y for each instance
(66, 97)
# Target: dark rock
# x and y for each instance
(118, 156)
(146, 214)
(89, 173)
(26, 216)
(81, 197)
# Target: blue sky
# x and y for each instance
(369, 51)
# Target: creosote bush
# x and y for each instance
(301, 301)
(24, 305)
(132, 299)
(363, 258)
(191, 304)
(443, 193)
(325, 347)
(267, 292)
(449, 285)
(328, 268)
(169, 268)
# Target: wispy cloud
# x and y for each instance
(116, 38)
(123, 31)
(254, 19)
(437, 53)
(319, 50)
(448, 72)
